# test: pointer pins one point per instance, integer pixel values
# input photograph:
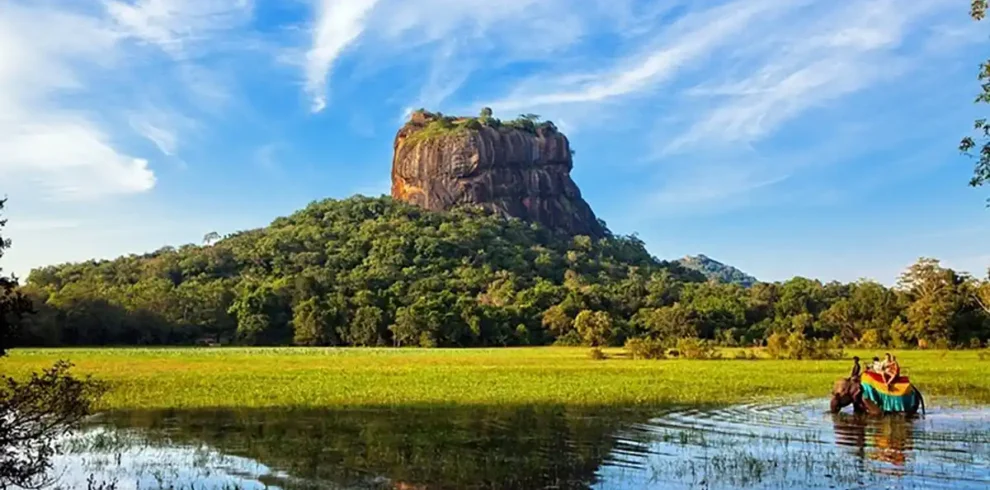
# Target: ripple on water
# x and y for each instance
(802, 445)
(755, 445)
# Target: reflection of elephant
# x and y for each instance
(850, 391)
(886, 440)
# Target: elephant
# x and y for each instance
(849, 391)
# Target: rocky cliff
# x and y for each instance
(519, 169)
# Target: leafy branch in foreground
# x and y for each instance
(981, 127)
(34, 415)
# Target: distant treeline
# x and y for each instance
(373, 271)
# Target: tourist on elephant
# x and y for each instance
(891, 370)
(856, 368)
(875, 366)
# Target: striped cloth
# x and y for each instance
(898, 398)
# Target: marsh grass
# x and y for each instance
(327, 378)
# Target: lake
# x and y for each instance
(743, 446)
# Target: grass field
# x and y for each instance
(313, 377)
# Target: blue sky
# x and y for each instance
(799, 137)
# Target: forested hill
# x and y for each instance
(364, 271)
(717, 271)
(373, 271)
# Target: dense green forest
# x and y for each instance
(373, 271)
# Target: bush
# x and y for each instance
(596, 354)
(645, 348)
(974, 343)
(871, 339)
(942, 344)
(797, 346)
(570, 339)
(695, 348)
(746, 355)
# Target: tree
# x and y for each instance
(367, 328)
(593, 326)
(669, 323)
(937, 296)
(211, 238)
(36, 413)
(313, 323)
(13, 304)
(981, 127)
(557, 321)
(486, 112)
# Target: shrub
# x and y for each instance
(570, 339)
(596, 354)
(645, 348)
(695, 348)
(797, 346)
(974, 343)
(777, 346)
(942, 344)
(871, 339)
(746, 355)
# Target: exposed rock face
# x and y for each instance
(513, 172)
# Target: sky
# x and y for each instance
(789, 138)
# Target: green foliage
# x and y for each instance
(594, 327)
(797, 346)
(13, 303)
(360, 271)
(646, 348)
(374, 272)
(300, 377)
(34, 415)
(695, 348)
(596, 354)
(437, 125)
(981, 127)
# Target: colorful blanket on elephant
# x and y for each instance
(897, 398)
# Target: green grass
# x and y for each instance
(314, 377)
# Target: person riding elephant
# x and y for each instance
(869, 393)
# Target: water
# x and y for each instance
(744, 446)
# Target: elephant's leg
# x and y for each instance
(872, 408)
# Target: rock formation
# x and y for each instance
(517, 169)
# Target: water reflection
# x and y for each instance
(884, 439)
(745, 446)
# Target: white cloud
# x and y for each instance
(65, 151)
(687, 42)
(338, 24)
(801, 66)
(174, 25)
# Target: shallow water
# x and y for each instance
(745, 446)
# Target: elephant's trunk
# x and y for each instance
(835, 406)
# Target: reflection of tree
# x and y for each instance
(532, 447)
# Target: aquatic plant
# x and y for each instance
(334, 377)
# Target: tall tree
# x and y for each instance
(13, 304)
(981, 127)
(35, 413)
(937, 299)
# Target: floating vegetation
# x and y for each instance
(174, 378)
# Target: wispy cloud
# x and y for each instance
(338, 24)
(800, 66)
(175, 25)
(66, 151)
(676, 48)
